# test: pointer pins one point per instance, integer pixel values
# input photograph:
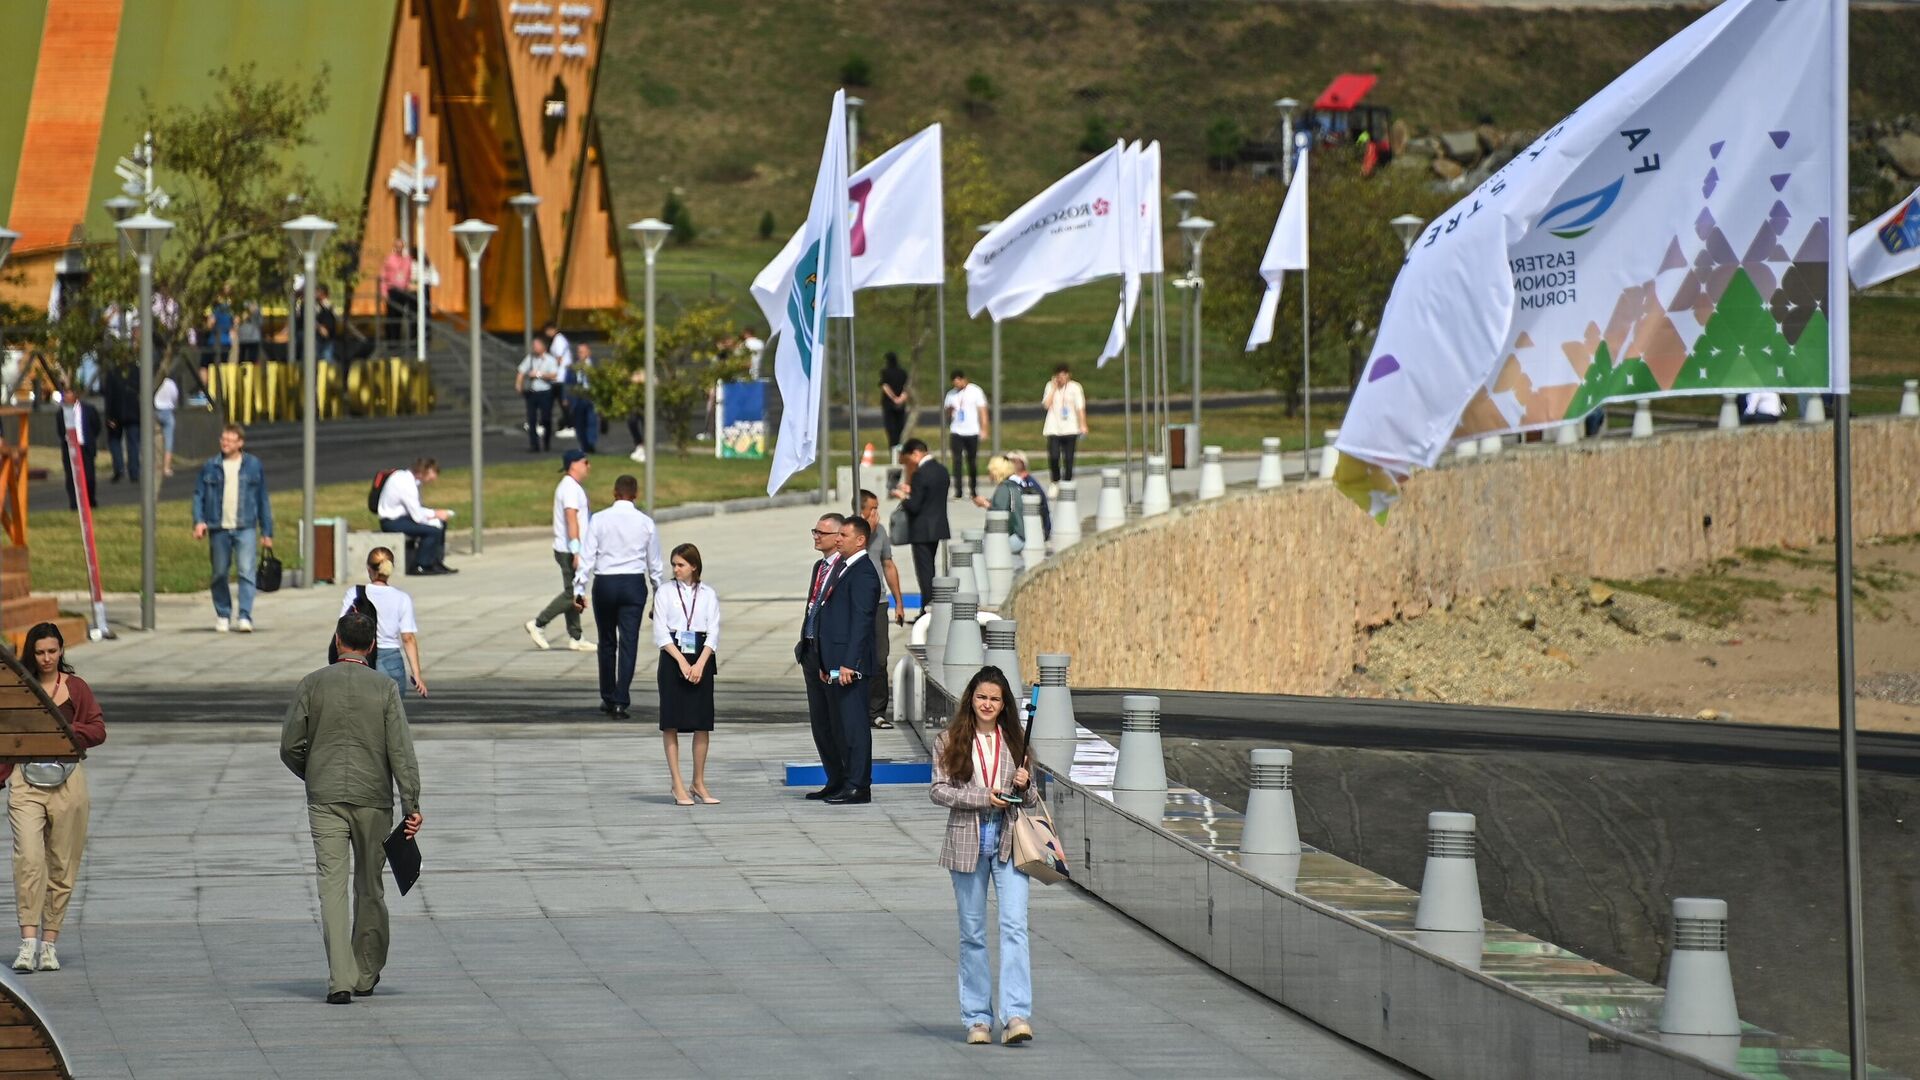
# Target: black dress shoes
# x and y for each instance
(340, 997)
(369, 989)
(443, 568)
(827, 792)
(621, 714)
(607, 707)
(851, 795)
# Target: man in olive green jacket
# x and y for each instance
(346, 736)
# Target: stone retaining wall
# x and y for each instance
(1273, 591)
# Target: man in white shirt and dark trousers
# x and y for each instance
(806, 653)
(399, 510)
(847, 656)
(1066, 405)
(570, 518)
(620, 556)
(966, 407)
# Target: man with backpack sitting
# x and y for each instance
(395, 500)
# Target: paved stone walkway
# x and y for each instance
(572, 922)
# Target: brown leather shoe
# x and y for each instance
(1017, 1031)
(979, 1035)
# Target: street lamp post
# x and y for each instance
(1195, 229)
(1286, 105)
(853, 132)
(526, 204)
(994, 405)
(1407, 228)
(651, 234)
(473, 236)
(309, 234)
(144, 234)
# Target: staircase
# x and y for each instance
(449, 359)
(21, 610)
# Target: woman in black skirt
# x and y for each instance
(686, 626)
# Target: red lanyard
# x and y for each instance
(351, 660)
(680, 590)
(989, 773)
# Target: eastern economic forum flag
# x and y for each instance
(1669, 237)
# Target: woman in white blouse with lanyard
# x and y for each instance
(686, 627)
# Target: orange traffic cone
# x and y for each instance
(866, 456)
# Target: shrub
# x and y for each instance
(675, 213)
(981, 94)
(856, 70)
(1098, 138)
(1224, 140)
(766, 225)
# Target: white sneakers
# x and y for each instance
(244, 626)
(23, 960)
(219, 624)
(639, 454)
(49, 961)
(539, 638)
(582, 645)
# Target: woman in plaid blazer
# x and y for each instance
(979, 846)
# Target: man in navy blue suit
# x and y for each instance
(848, 656)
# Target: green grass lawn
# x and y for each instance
(518, 493)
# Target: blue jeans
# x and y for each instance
(225, 546)
(431, 549)
(1016, 973)
(585, 422)
(393, 664)
(165, 419)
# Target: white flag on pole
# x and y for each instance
(1669, 237)
(896, 231)
(1887, 247)
(1067, 235)
(1130, 252)
(1286, 250)
(818, 285)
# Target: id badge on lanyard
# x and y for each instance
(687, 639)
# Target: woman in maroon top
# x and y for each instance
(47, 804)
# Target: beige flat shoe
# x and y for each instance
(1017, 1031)
(979, 1035)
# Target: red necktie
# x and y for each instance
(818, 580)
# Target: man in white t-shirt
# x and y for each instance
(966, 408)
(1066, 405)
(755, 350)
(569, 531)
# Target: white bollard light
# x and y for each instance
(1461, 948)
(1053, 712)
(939, 614)
(1213, 476)
(1066, 515)
(1282, 870)
(977, 542)
(1910, 398)
(1813, 409)
(902, 688)
(1729, 412)
(1142, 766)
(960, 559)
(1467, 448)
(964, 656)
(1111, 512)
(1157, 497)
(1270, 475)
(1699, 977)
(1271, 827)
(998, 557)
(1036, 538)
(1329, 457)
(1569, 433)
(1642, 419)
(1003, 652)
(1450, 889)
(1490, 445)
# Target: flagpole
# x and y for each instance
(1160, 349)
(1306, 382)
(824, 450)
(940, 320)
(853, 415)
(1126, 411)
(1839, 345)
(1145, 395)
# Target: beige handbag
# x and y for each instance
(1037, 852)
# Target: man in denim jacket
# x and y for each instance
(231, 512)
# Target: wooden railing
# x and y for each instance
(13, 475)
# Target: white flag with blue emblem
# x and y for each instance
(1669, 237)
(820, 285)
(1887, 247)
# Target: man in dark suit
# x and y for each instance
(926, 505)
(848, 655)
(826, 733)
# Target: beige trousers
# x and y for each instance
(354, 926)
(49, 834)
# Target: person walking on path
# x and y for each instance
(1066, 405)
(880, 550)
(232, 513)
(979, 770)
(924, 498)
(686, 628)
(166, 403)
(48, 807)
(1006, 496)
(620, 556)
(396, 634)
(534, 381)
(847, 656)
(893, 399)
(570, 517)
(584, 418)
(826, 734)
(399, 510)
(346, 736)
(89, 430)
(120, 398)
(1030, 485)
(966, 422)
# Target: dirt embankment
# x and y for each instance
(1749, 639)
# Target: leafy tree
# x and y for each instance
(1098, 137)
(1225, 137)
(689, 358)
(675, 213)
(766, 225)
(856, 70)
(981, 94)
(1353, 253)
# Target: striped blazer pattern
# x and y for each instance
(966, 803)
